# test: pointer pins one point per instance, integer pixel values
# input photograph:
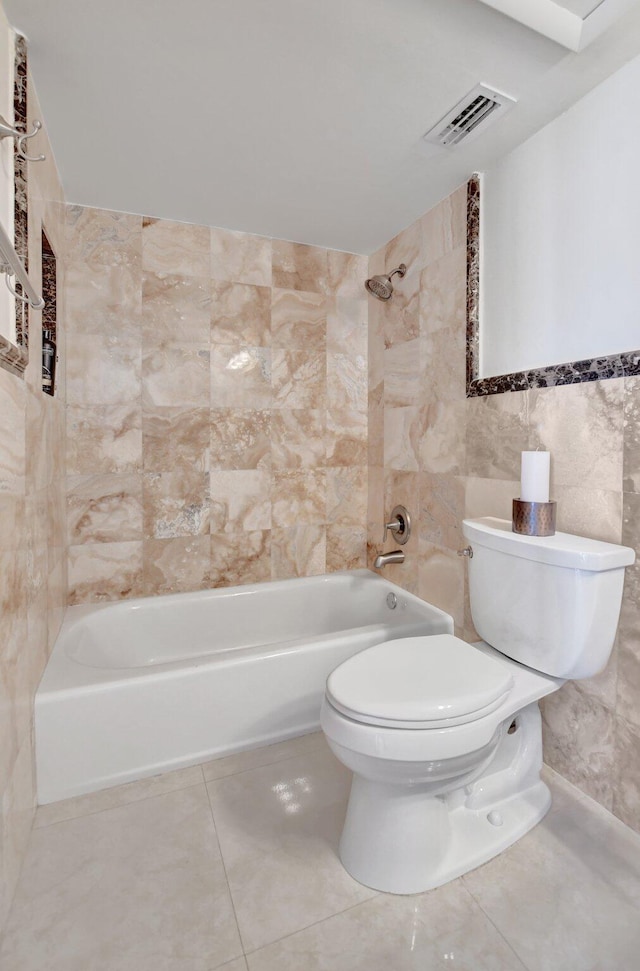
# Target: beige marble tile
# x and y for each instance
(240, 257)
(104, 438)
(346, 435)
(443, 327)
(102, 370)
(445, 226)
(298, 319)
(347, 325)
(18, 805)
(298, 378)
(278, 828)
(346, 273)
(402, 437)
(12, 521)
(376, 505)
(403, 374)
(595, 513)
(175, 374)
(175, 307)
(13, 400)
(240, 314)
(97, 236)
(375, 420)
(626, 781)
(298, 551)
(176, 565)
(238, 558)
(441, 580)
(105, 571)
(405, 248)
(265, 755)
(578, 741)
(443, 443)
(441, 510)
(404, 933)
(240, 501)
(240, 439)
(631, 434)
(579, 873)
(176, 503)
(240, 377)
(490, 497)
(346, 495)
(582, 426)
(96, 802)
(497, 431)
(104, 508)
(400, 316)
(347, 384)
(346, 547)
(298, 497)
(137, 887)
(297, 438)
(172, 247)
(628, 683)
(175, 437)
(103, 299)
(299, 267)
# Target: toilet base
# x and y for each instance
(427, 843)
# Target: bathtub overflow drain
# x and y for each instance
(392, 601)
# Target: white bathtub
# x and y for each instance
(143, 686)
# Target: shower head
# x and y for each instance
(381, 286)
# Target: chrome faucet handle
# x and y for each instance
(467, 551)
(400, 525)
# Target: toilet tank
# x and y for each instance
(552, 602)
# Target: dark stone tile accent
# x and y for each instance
(573, 372)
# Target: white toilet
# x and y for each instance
(443, 737)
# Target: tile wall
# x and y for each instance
(445, 457)
(217, 407)
(32, 532)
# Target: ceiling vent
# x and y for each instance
(475, 112)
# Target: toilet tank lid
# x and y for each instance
(562, 549)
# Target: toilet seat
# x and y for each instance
(428, 682)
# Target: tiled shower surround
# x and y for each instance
(446, 456)
(217, 407)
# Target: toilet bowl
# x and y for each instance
(432, 798)
(443, 737)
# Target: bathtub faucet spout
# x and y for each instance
(396, 556)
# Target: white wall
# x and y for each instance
(560, 258)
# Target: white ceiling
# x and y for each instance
(289, 118)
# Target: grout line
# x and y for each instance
(122, 805)
(315, 923)
(495, 926)
(226, 875)
(262, 765)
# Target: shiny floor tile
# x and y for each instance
(567, 896)
(175, 874)
(441, 929)
(279, 828)
(136, 888)
(266, 755)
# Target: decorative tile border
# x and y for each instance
(20, 214)
(15, 357)
(574, 372)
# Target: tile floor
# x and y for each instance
(232, 865)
